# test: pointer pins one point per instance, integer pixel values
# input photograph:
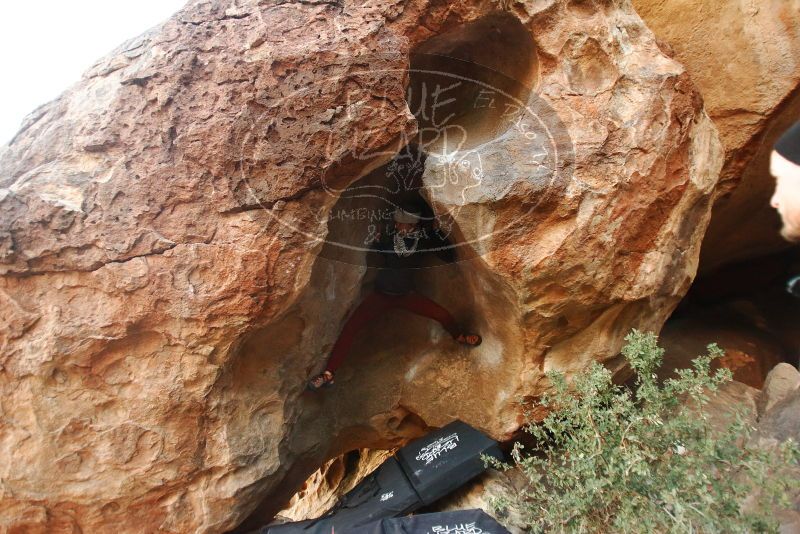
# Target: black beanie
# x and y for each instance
(788, 144)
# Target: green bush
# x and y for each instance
(609, 459)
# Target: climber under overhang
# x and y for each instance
(398, 248)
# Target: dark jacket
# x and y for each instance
(395, 272)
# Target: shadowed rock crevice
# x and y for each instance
(746, 310)
(469, 84)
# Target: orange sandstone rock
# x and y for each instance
(170, 270)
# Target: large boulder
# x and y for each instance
(171, 261)
(744, 57)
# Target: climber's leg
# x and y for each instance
(419, 305)
(373, 305)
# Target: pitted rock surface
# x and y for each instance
(165, 287)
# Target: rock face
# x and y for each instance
(744, 57)
(171, 270)
(745, 309)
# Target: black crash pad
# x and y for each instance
(420, 473)
(457, 522)
(446, 459)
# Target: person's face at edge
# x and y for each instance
(786, 198)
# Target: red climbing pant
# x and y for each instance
(376, 303)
